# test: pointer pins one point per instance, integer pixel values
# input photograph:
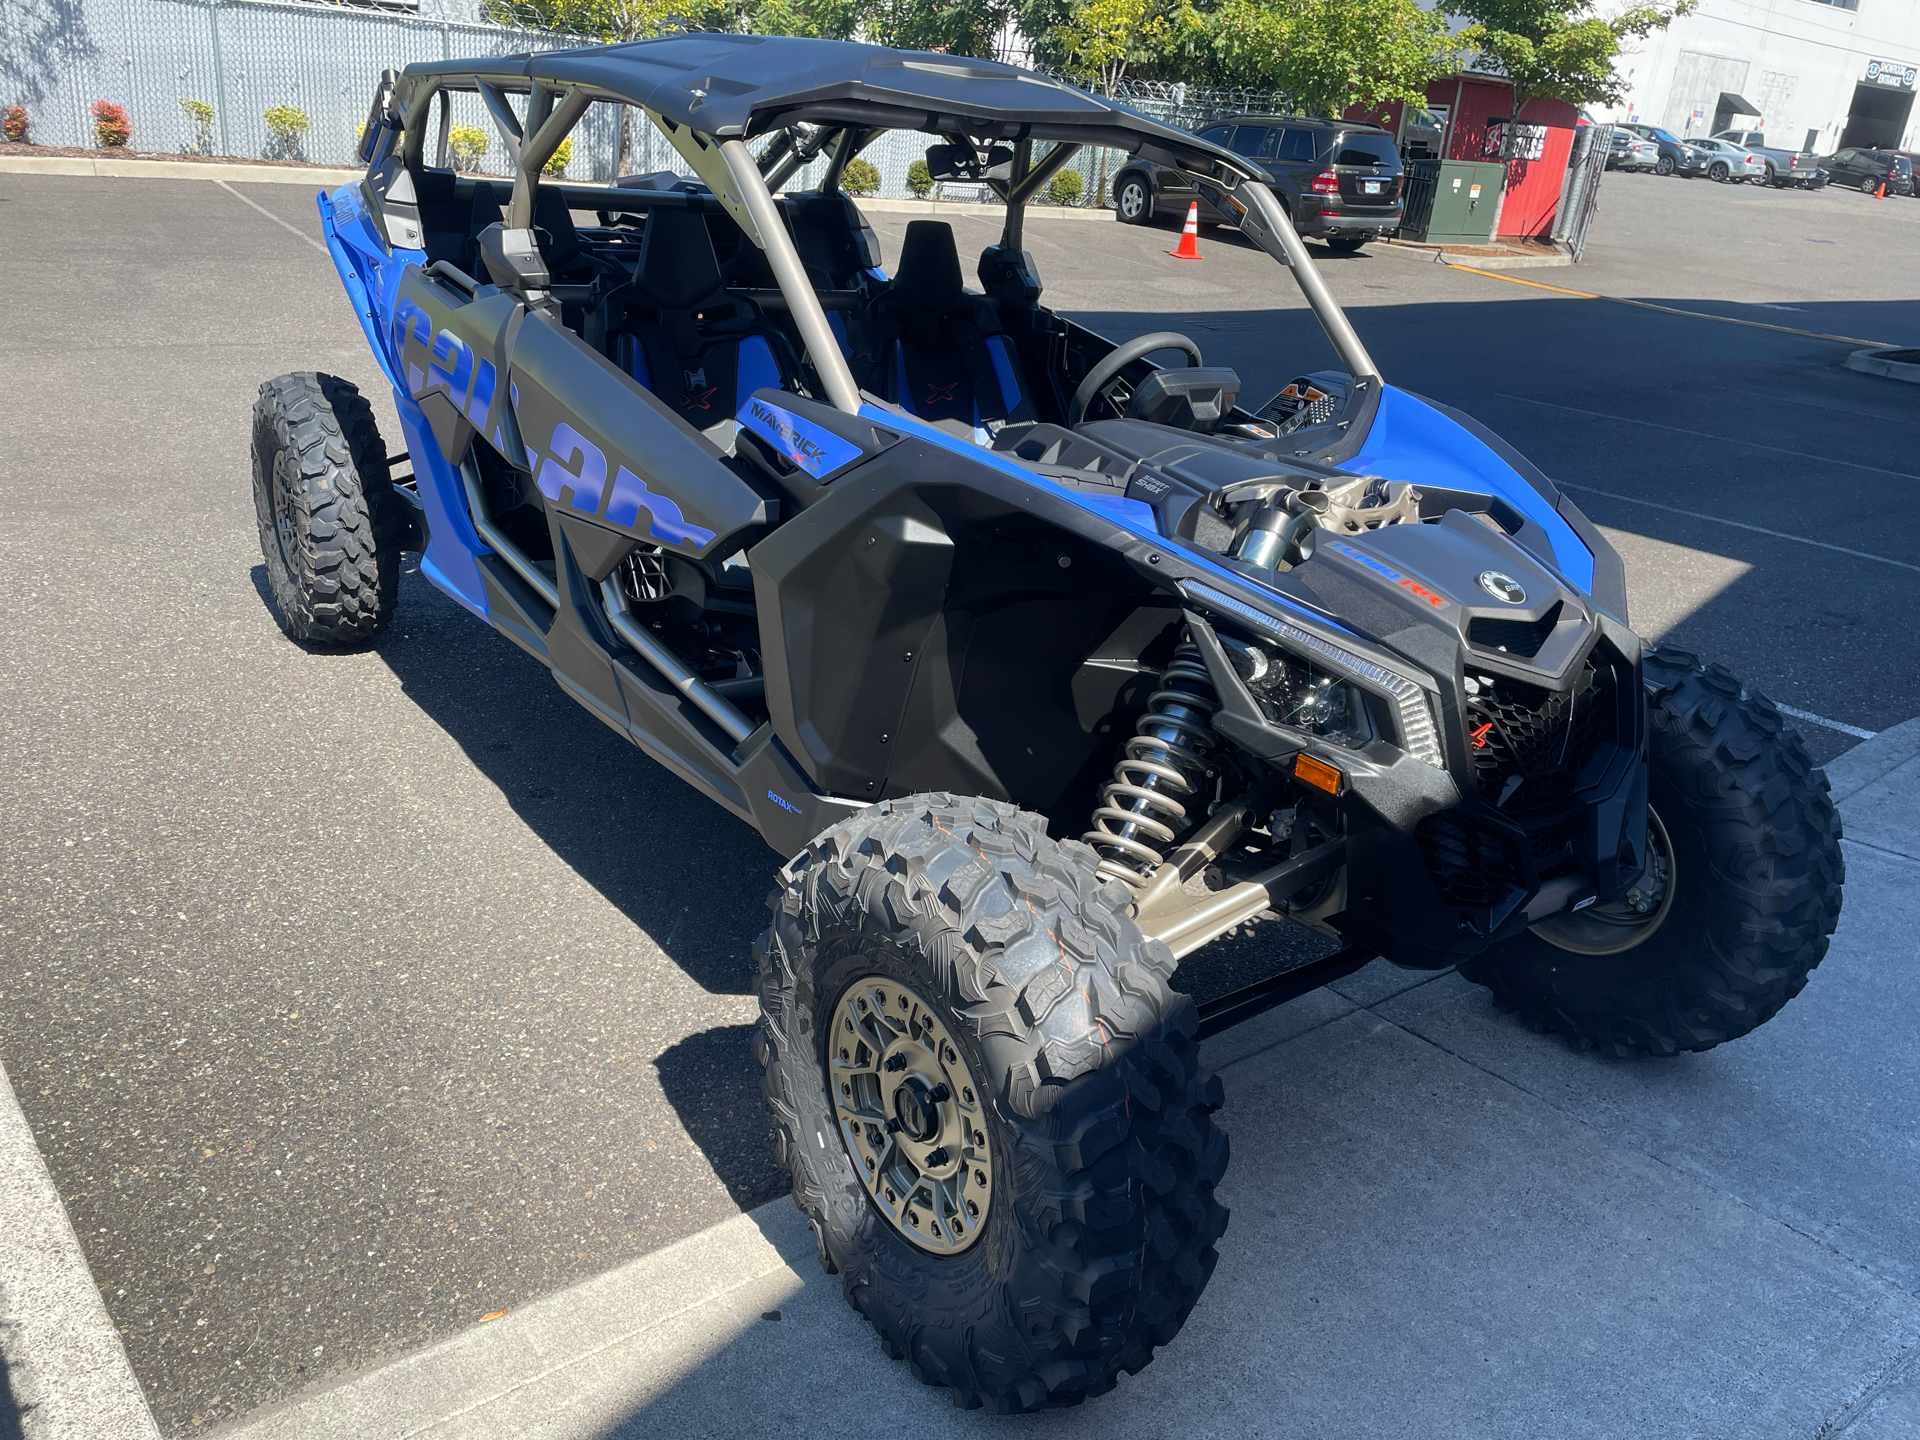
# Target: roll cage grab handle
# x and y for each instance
(1261, 217)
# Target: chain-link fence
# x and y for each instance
(243, 58)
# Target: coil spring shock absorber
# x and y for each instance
(1140, 811)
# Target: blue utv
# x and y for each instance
(1045, 664)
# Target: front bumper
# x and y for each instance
(1436, 870)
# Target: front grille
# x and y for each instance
(1530, 745)
(1471, 863)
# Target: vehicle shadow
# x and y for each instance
(685, 871)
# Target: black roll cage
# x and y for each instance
(745, 184)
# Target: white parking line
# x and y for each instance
(1737, 524)
(1704, 435)
(64, 1359)
(1813, 719)
(290, 229)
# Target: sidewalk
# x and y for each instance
(1442, 1225)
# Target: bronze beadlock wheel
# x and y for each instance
(911, 1114)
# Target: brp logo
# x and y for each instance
(1502, 587)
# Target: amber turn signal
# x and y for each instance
(1316, 773)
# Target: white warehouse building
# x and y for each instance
(1813, 75)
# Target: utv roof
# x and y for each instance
(742, 85)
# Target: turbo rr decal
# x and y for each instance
(1381, 568)
(576, 468)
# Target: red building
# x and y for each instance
(1465, 118)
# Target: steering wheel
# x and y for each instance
(1117, 360)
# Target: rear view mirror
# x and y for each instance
(964, 162)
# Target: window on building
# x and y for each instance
(1840, 4)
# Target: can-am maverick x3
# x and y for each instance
(1047, 665)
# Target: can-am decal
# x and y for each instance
(577, 468)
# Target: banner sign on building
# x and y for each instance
(1891, 72)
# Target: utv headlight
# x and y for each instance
(1308, 684)
(1295, 692)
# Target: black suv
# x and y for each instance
(1340, 182)
(1862, 169)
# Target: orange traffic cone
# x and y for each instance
(1189, 235)
(1881, 193)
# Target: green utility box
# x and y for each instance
(1452, 202)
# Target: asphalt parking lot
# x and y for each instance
(351, 998)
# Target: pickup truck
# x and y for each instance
(1784, 167)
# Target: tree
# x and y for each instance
(954, 27)
(1557, 49)
(1329, 54)
(1098, 39)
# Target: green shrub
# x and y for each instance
(111, 126)
(201, 114)
(467, 143)
(919, 179)
(860, 178)
(1065, 188)
(287, 127)
(14, 124)
(562, 157)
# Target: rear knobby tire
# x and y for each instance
(1102, 1221)
(330, 528)
(1759, 873)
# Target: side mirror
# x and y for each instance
(513, 259)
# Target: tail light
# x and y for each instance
(1326, 183)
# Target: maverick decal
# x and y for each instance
(814, 450)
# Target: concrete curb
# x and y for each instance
(597, 1350)
(328, 176)
(64, 1360)
(1877, 786)
(1480, 262)
(1852, 771)
(980, 212)
(173, 170)
(1875, 362)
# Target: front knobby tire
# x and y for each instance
(1096, 1116)
(330, 528)
(1757, 876)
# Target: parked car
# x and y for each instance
(1912, 157)
(1784, 167)
(1677, 156)
(1339, 181)
(1723, 160)
(1628, 151)
(1866, 170)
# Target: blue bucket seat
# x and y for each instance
(938, 352)
(676, 330)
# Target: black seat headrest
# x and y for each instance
(551, 214)
(677, 266)
(928, 276)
